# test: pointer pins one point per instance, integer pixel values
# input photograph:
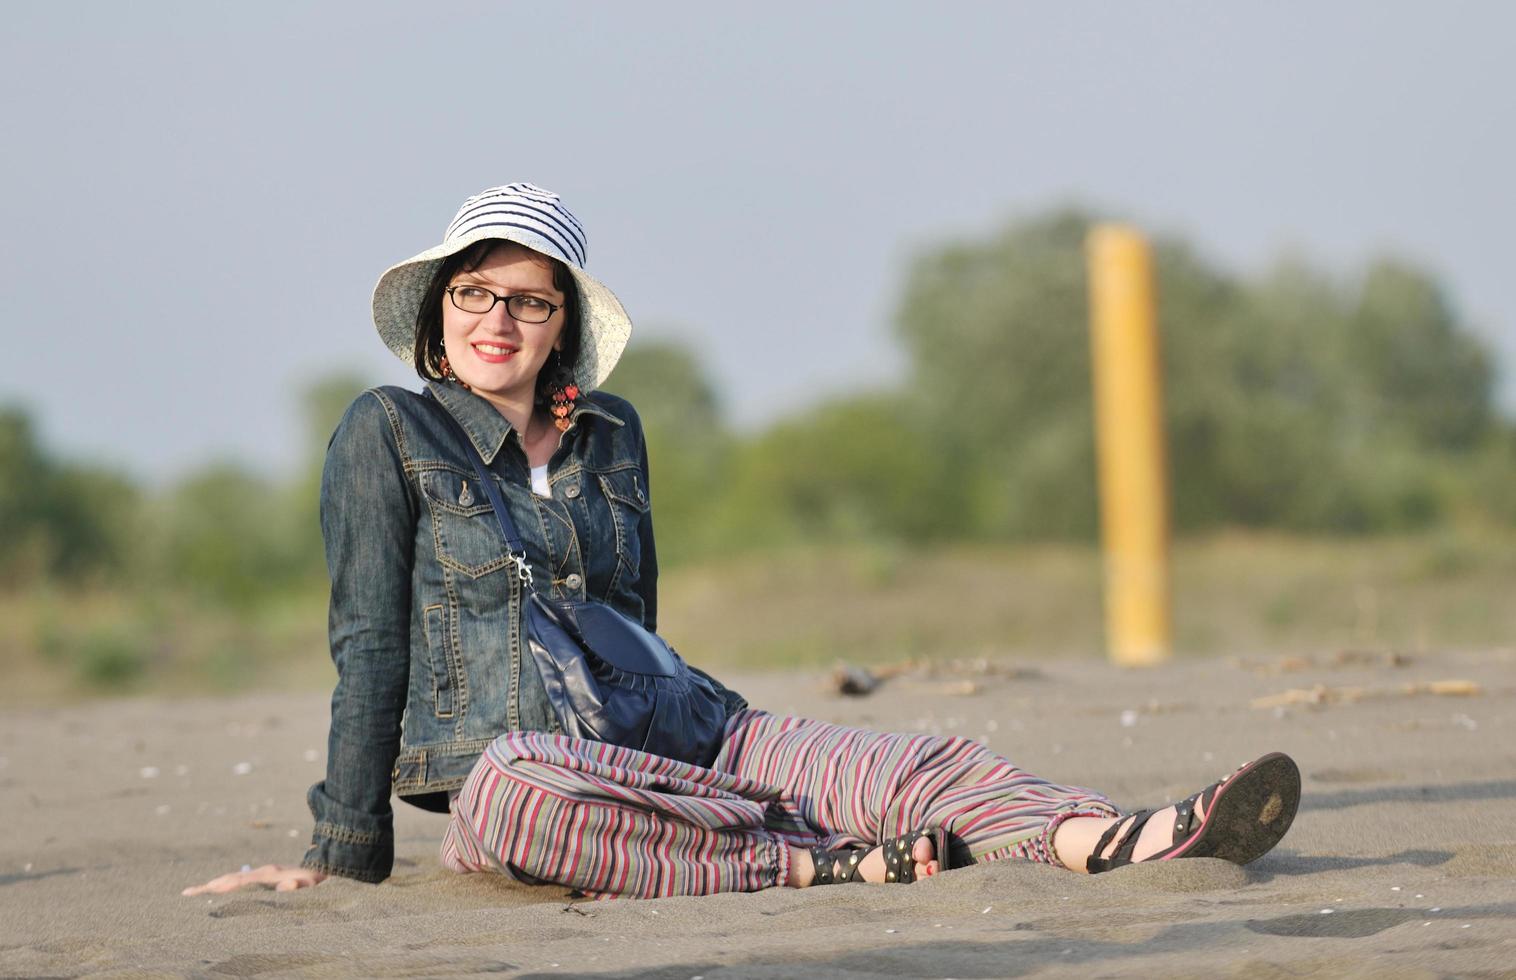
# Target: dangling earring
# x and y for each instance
(448, 375)
(561, 391)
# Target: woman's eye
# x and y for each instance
(532, 303)
(471, 292)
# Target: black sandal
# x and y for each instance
(836, 867)
(1246, 814)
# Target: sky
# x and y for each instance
(200, 197)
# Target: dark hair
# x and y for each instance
(428, 353)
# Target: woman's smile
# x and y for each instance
(493, 353)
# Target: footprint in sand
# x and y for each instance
(1483, 861)
(1358, 775)
(238, 907)
(256, 964)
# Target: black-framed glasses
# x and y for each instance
(521, 306)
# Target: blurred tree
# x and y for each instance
(860, 467)
(689, 447)
(998, 348)
(229, 535)
(1423, 373)
(26, 544)
(58, 520)
(665, 382)
(322, 404)
(1491, 478)
(1290, 402)
(96, 515)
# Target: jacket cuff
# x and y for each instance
(348, 842)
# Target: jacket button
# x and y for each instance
(574, 581)
(571, 491)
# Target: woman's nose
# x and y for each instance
(500, 317)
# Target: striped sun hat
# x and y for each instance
(530, 216)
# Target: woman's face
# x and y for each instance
(493, 353)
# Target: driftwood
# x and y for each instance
(1321, 694)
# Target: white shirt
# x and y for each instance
(539, 481)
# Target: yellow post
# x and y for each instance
(1130, 445)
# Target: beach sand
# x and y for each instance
(1401, 862)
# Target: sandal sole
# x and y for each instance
(1250, 814)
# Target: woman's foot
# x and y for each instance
(1239, 819)
(1077, 838)
(875, 865)
(1156, 834)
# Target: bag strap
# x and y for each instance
(513, 546)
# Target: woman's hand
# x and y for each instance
(282, 877)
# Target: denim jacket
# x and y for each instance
(425, 616)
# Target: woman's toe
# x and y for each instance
(925, 854)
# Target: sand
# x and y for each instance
(1401, 863)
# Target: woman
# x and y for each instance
(437, 702)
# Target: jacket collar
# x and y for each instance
(485, 426)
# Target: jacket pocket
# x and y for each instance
(441, 657)
(627, 496)
(464, 529)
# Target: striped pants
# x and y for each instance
(611, 821)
